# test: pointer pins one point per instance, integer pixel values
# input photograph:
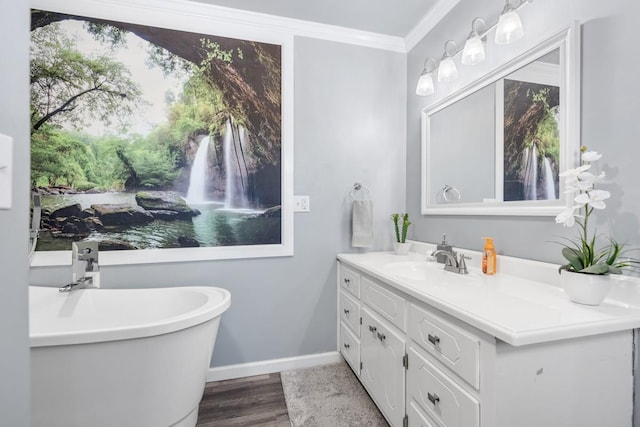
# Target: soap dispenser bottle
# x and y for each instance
(489, 257)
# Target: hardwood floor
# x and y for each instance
(252, 401)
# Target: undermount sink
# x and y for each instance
(423, 270)
(414, 270)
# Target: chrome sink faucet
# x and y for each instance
(85, 268)
(456, 265)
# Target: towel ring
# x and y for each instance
(357, 187)
(451, 194)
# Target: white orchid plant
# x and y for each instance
(581, 254)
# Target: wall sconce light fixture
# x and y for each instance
(508, 29)
(425, 82)
(473, 52)
(447, 71)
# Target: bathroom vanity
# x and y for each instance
(439, 349)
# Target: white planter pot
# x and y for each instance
(402, 248)
(588, 289)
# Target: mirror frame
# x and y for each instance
(568, 41)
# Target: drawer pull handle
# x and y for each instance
(434, 339)
(433, 398)
(372, 328)
(347, 281)
(381, 337)
(346, 311)
(346, 346)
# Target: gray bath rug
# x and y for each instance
(328, 396)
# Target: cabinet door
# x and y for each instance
(382, 372)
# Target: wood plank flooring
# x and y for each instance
(252, 401)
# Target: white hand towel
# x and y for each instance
(362, 226)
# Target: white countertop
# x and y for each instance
(514, 309)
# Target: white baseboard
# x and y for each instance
(269, 366)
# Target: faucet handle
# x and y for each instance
(462, 265)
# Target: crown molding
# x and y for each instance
(430, 20)
(228, 18)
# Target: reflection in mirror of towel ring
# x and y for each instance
(451, 194)
(360, 190)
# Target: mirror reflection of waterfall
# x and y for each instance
(537, 182)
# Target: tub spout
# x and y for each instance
(85, 282)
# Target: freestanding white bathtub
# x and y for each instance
(121, 357)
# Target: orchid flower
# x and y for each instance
(591, 156)
(574, 173)
(593, 198)
(566, 217)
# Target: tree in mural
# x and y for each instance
(66, 84)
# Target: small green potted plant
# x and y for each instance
(586, 275)
(401, 245)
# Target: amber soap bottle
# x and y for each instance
(489, 257)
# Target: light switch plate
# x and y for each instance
(6, 163)
(302, 204)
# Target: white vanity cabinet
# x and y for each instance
(425, 367)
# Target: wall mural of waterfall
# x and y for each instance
(531, 141)
(150, 138)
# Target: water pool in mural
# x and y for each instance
(145, 137)
(531, 141)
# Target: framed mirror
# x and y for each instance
(497, 146)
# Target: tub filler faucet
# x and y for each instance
(84, 266)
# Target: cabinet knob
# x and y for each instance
(346, 311)
(433, 339)
(433, 398)
(372, 328)
(346, 346)
(347, 281)
(381, 337)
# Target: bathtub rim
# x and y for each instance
(218, 301)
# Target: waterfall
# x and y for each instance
(198, 177)
(530, 174)
(235, 190)
(548, 183)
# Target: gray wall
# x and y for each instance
(349, 126)
(610, 122)
(14, 116)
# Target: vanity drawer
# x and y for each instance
(387, 303)
(350, 312)
(417, 418)
(350, 348)
(439, 396)
(455, 348)
(350, 280)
